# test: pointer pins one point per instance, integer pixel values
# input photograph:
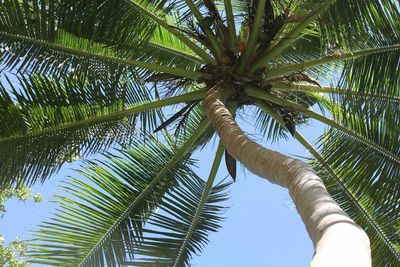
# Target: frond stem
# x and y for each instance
(231, 23)
(196, 95)
(290, 37)
(284, 69)
(203, 200)
(286, 87)
(249, 50)
(194, 75)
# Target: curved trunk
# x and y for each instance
(337, 239)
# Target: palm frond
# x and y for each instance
(110, 21)
(116, 203)
(375, 119)
(360, 25)
(230, 18)
(47, 122)
(305, 109)
(370, 172)
(163, 245)
(350, 24)
(280, 70)
(168, 43)
(115, 23)
(269, 125)
(64, 46)
(177, 32)
(379, 223)
(374, 74)
(34, 140)
(120, 196)
(337, 93)
(196, 211)
(306, 48)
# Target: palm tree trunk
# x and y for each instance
(337, 239)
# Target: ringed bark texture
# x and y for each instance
(338, 240)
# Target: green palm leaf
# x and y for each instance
(181, 235)
(366, 171)
(187, 215)
(120, 197)
(99, 24)
(353, 23)
(47, 122)
(375, 119)
(63, 45)
(117, 206)
(360, 25)
(30, 150)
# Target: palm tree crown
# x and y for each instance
(81, 77)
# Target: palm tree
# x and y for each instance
(91, 76)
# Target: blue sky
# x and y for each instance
(262, 227)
